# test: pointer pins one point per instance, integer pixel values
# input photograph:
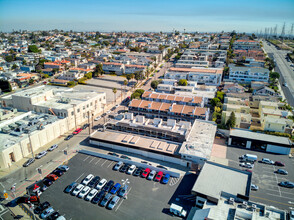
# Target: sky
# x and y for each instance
(146, 16)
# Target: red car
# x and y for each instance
(279, 163)
(52, 177)
(145, 172)
(250, 171)
(78, 130)
(158, 176)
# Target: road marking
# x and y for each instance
(110, 164)
(278, 183)
(79, 177)
(92, 159)
(104, 162)
(280, 196)
(174, 181)
(97, 161)
(86, 158)
(123, 199)
(270, 200)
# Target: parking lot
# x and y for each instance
(145, 199)
(266, 179)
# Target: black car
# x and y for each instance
(70, 187)
(68, 137)
(85, 126)
(104, 114)
(57, 172)
(42, 207)
(138, 171)
(162, 167)
(29, 162)
(125, 157)
(108, 186)
(47, 182)
(94, 181)
(98, 197)
(124, 168)
(113, 154)
(53, 216)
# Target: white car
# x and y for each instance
(101, 184)
(41, 154)
(151, 175)
(267, 161)
(247, 165)
(254, 187)
(91, 194)
(84, 192)
(131, 169)
(108, 111)
(53, 147)
(97, 118)
(77, 190)
(88, 179)
(113, 202)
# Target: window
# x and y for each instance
(78, 110)
(72, 113)
(84, 107)
(91, 104)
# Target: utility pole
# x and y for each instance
(283, 32)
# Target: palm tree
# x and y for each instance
(125, 84)
(114, 90)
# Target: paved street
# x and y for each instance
(282, 67)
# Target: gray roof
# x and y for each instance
(251, 69)
(259, 136)
(215, 178)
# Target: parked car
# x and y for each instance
(43, 188)
(287, 184)
(53, 216)
(77, 131)
(84, 192)
(68, 137)
(108, 186)
(118, 165)
(41, 207)
(165, 178)
(145, 172)
(282, 171)
(138, 171)
(47, 182)
(52, 177)
(151, 175)
(125, 157)
(254, 187)
(105, 200)
(57, 172)
(101, 184)
(124, 168)
(85, 126)
(98, 197)
(97, 118)
(41, 154)
(91, 194)
(158, 176)
(162, 167)
(70, 187)
(247, 165)
(131, 169)
(29, 162)
(94, 182)
(248, 170)
(279, 164)
(87, 179)
(115, 188)
(291, 215)
(113, 202)
(113, 154)
(52, 147)
(63, 168)
(77, 190)
(267, 161)
(123, 191)
(47, 212)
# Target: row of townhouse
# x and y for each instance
(246, 45)
(248, 74)
(244, 54)
(207, 76)
(166, 111)
(120, 68)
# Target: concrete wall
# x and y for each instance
(141, 152)
(278, 149)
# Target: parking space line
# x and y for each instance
(86, 158)
(104, 162)
(278, 183)
(110, 164)
(79, 177)
(97, 161)
(92, 159)
(272, 201)
(123, 199)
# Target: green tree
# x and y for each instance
(5, 86)
(274, 75)
(33, 49)
(71, 83)
(139, 75)
(14, 66)
(220, 95)
(24, 62)
(114, 90)
(214, 102)
(154, 84)
(88, 75)
(9, 58)
(231, 123)
(129, 77)
(98, 70)
(137, 94)
(182, 82)
(31, 81)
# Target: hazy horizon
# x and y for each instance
(149, 16)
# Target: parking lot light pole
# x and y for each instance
(124, 182)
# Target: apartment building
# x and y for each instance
(253, 54)
(246, 45)
(248, 74)
(117, 68)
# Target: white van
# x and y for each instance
(177, 210)
(248, 158)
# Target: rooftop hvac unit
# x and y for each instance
(231, 200)
(254, 207)
(244, 204)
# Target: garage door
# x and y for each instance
(277, 149)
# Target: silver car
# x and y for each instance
(84, 192)
(113, 202)
(151, 175)
(41, 154)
